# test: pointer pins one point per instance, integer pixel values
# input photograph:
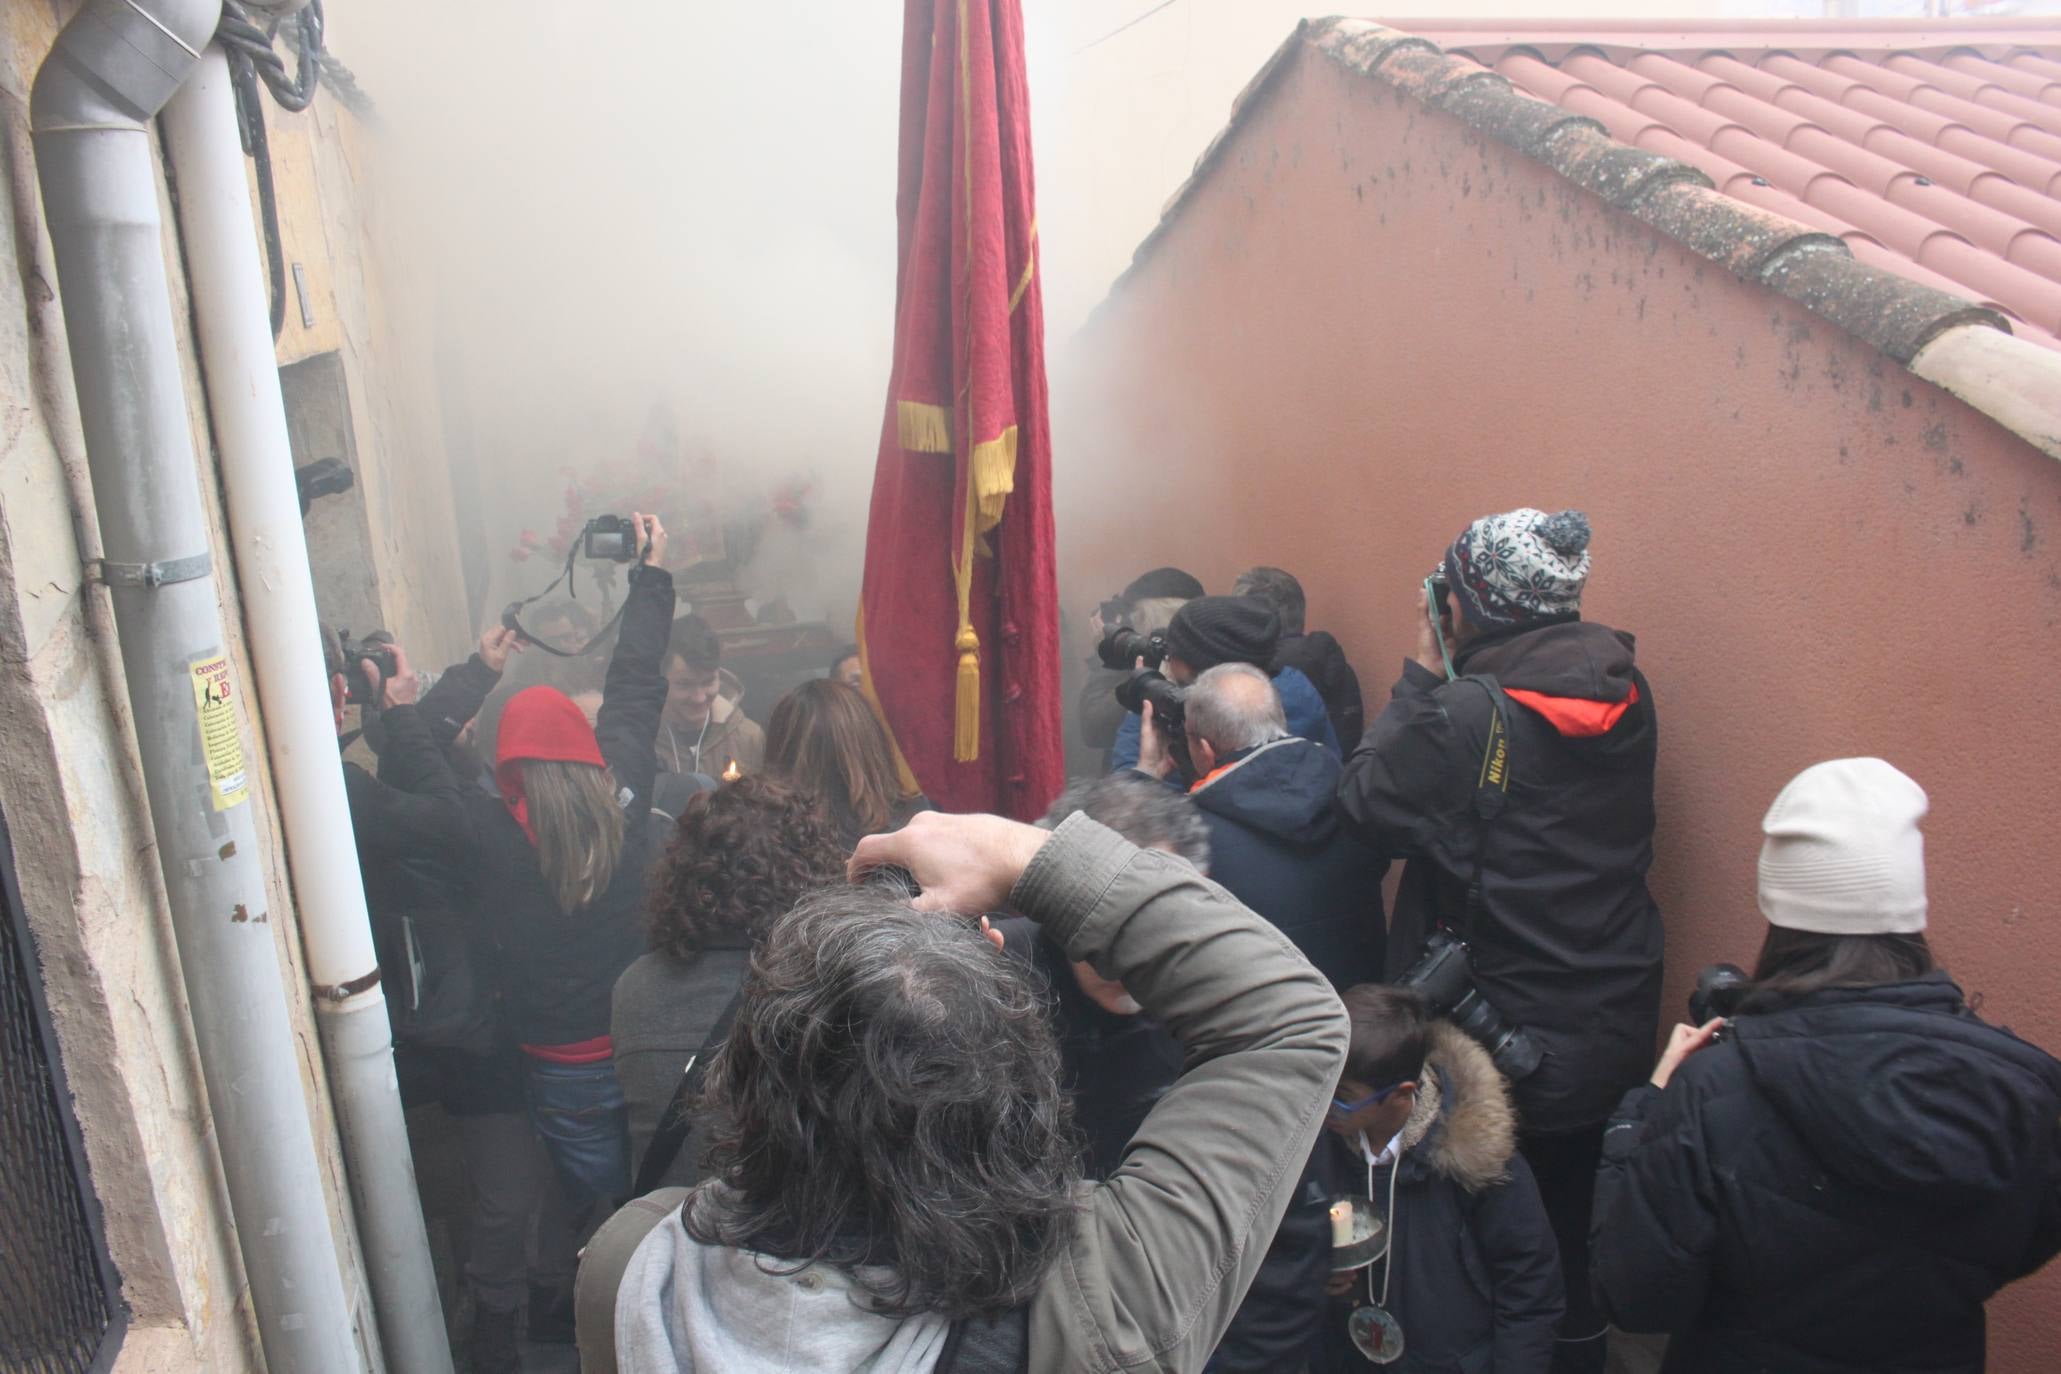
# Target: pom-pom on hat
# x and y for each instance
(1224, 629)
(1843, 853)
(1521, 567)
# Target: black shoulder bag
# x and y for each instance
(677, 1120)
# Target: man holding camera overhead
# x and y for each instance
(1513, 768)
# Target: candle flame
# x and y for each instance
(733, 772)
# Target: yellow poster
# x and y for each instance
(214, 704)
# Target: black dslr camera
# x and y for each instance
(612, 538)
(377, 646)
(1717, 993)
(1122, 647)
(1444, 976)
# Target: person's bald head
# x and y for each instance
(1231, 708)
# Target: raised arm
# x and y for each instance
(1406, 788)
(1209, 1174)
(634, 692)
(458, 695)
(1163, 1251)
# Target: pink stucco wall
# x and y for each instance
(1371, 324)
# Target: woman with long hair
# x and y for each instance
(739, 858)
(1835, 1179)
(560, 858)
(823, 736)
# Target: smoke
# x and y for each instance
(645, 213)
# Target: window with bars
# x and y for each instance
(60, 1302)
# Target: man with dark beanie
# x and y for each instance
(1231, 629)
(1146, 605)
(1521, 796)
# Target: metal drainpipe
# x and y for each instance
(242, 375)
(113, 67)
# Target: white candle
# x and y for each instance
(1341, 1225)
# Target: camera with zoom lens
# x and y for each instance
(1444, 976)
(377, 646)
(1717, 993)
(1169, 701)
(610, 538)
(1122, 647)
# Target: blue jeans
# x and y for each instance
(578, 1110)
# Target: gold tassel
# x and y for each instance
(994, 476)
(923, 428)
(966, 724)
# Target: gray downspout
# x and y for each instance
(230, 308)
(114, 66)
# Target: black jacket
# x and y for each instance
(1833, 1188)
(1114, 1067)
(414, 839)
(1275, 843)
(1568, 940)
(1323, 662)
(1477, 1285)
(559, 969)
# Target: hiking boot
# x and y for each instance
(551, 1315)
(492, 1347)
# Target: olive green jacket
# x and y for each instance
(1165, 1249)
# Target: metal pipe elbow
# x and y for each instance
(118, 61)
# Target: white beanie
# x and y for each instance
(1843, 854)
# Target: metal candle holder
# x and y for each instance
(1369, 1242)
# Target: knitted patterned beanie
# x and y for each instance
(1522, 567)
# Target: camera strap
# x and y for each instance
(1491, 785)
(512, 617)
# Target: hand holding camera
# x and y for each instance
(1435, 627)
(378, 672)
(1155, 757)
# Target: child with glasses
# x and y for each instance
(1423, 1127)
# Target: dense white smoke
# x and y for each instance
(631, 206)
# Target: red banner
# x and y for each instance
(959, 630)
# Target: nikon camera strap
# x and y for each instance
(1491, 786)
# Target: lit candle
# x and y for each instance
(1341, 1225)
(733, 772)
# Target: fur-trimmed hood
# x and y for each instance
(1463, 1126)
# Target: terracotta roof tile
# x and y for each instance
(1934, 151)
(1904, 206)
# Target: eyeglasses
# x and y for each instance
(1371, 1100)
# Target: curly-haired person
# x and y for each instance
(738, 860)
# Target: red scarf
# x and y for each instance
(539, 723)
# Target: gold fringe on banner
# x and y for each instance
(923, 428)
(994, 476)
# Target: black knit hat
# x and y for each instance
(1159, 583)
(1224, 629)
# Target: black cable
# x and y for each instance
(250, 119)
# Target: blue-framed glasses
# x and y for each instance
(1371, 1100)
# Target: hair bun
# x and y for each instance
(1566, 534)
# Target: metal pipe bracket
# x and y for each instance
(150, 575)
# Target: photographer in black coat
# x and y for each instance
(1838, 1182)
(414, 842)
(1549, 892)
